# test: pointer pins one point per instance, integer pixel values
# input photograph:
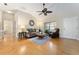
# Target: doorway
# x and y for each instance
(8, 26)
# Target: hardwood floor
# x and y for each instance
(10, 46)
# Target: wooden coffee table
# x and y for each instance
(40, 36)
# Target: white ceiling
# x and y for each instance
(64, 9)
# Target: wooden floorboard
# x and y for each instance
(27, 47)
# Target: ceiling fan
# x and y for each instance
(44, 11)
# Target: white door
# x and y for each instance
(70, 28)
(8, 25)
(8, 29)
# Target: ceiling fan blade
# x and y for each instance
(41, 13)
(48, 11)
(38, 11)
(45, 14)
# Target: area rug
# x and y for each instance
(40, 41)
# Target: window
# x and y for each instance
(50, 26)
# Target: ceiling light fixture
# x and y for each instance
(44, 11)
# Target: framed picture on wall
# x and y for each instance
(31, 22)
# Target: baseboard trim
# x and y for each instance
(68, 38)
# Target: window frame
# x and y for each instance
(49, 25)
